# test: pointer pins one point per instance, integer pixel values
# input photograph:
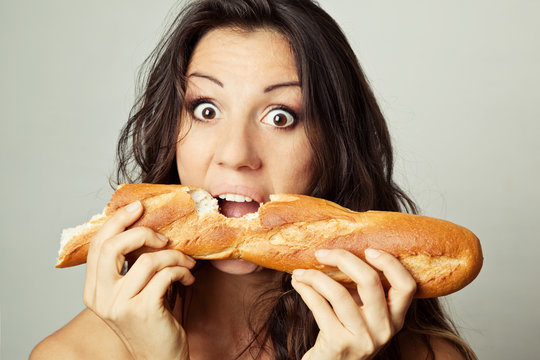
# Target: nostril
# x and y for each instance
(238, 152)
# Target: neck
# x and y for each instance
(221, 303)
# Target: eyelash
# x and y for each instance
(192, 104)
(291, 112)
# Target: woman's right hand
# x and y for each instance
(132, 305)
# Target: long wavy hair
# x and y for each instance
(344, 124)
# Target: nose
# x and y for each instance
(238, 147)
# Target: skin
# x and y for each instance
(239, 150)
(229, 143)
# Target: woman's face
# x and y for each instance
(242, 132)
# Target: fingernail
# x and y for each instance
(322, 253)
(298, 272)
(372, 253)
(190, 258)
(134, 206)
(162, 237)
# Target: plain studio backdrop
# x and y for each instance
(457, 81)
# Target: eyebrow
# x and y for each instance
(266, 89)
(285, 84)
(208, 77)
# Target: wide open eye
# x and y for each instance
(280, 118)
(205, 111)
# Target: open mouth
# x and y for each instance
(235, 205)
(227, 204)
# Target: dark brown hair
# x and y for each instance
(344, 124)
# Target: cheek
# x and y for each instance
(304, 168)
(190, 161)
(294, 166)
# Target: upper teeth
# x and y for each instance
(235, 197)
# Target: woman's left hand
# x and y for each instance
(355, 324)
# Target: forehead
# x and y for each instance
(262, 53)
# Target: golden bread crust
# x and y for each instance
(441, 256)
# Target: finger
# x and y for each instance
(116, 224)
(157, 287)
(147, 265)
(324, 314)
(114, 250)
(341, 301)
(374, 306)
(123, 218)
(402, 284)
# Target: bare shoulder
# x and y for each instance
(413, 348)
(84, 337)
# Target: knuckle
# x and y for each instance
(125, 213)
(346, 347)
(112, 315)
(148, 232)
(340, 293)
(183, 275)
(371, 279)
(108, 247)
(398, 326)
(311, 275)
(370, 347)
(366, 346)
(340, 346)
(118, 219)
(143, 231)
(411, 286)
(178, 270)
(408, 286)
(185, 258)
(177, 257)
(170, 275)
(166, 273)
(340, 253)
(387, 260)
(411, 291)
(146, 260)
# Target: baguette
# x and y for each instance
(284, 234)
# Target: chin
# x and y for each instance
(236, 267)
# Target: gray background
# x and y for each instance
(458, 83)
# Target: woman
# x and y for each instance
(250, 98)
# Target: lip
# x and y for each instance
(220, 189)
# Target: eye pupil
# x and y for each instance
(280, 120)
(208, 113)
